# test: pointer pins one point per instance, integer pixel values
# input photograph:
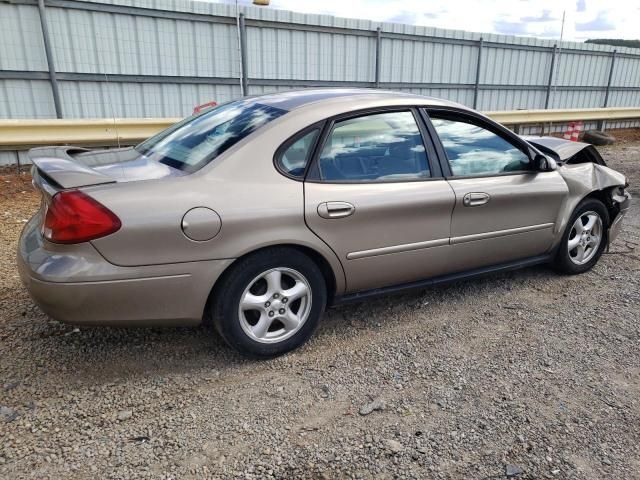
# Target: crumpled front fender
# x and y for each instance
(585, 178)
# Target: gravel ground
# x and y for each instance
(525, 374)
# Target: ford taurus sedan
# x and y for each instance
(259, 213)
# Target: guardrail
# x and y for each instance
(23, 134)
(523, 117)
(102, 131)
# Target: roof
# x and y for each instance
(293, 99)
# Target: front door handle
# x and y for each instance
(475, 199)
(335, 209)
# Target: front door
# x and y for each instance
(376, 197)
(504, 209)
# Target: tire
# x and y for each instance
(572, 261)
(596, 137)
(251, 309)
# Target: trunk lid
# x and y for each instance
(73, 167)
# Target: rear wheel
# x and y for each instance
(270, 303)
(585, 238)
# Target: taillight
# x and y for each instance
(73, 217)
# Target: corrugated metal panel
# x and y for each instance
(287, 54)
(626, 72)
(424, 62)
(21, 44)
(26, 99)
(515, 67)
(581, 70)
(496, 99)
(97, 42)
(261, 89)
(12, 157)
(576, 99)
(100, 42)
(104, 100)
(624, 99)
(327, 20)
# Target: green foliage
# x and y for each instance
(615, 42)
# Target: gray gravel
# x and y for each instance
(521, 375)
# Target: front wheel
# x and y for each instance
(270, 302)
(584, 239)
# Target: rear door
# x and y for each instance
(505, 210)
(376, 196)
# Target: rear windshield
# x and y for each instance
(197, 140)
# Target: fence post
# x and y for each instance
(378, 58)
(243, 55)
(47, 51)
(478, 66)
(550, 82)
(549, 85)
(602, 123)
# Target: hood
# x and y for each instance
(563, 149)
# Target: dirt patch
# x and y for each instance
(13, 185)
(625, 135)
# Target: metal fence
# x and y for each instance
(160, 58)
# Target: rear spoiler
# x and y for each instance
(56, 165)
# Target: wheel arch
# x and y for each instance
(318, 258)
(562, 261)
(604, 196)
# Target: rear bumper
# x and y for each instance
(616, 224)
(75, 284)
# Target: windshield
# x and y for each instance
(197, 140)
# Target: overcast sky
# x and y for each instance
(539, 18)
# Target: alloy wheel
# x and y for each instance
(275, 305)
(585, 237)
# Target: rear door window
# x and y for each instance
(374, 148)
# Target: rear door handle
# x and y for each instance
(475, 199)
(335, 209)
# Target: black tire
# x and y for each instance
(596, 137)
(227, 296)
(563, 262)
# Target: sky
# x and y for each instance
(537, 18)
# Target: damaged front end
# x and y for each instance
(587, 174)
(621, 199)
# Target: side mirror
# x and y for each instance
(544, 164)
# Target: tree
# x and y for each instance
(616, 42)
